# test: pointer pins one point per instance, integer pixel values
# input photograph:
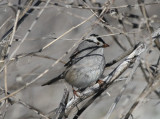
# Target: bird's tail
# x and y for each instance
(53, 80)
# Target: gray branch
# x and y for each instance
(61, 110)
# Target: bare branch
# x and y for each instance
(123, 89)
(147, 90)
(62, 106)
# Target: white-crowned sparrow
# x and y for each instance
(86, 64)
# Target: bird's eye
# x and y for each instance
(98, 43)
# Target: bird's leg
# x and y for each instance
(100, 82)
(76, 92)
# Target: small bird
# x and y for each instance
(86, 65)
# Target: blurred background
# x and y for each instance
(121, 23)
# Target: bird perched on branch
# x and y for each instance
(86, 64)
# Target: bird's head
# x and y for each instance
(98, 40)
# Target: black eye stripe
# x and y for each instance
(100, 39)
(90, 40)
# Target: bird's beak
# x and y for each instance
(105, 45)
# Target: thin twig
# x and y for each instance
(68, 31)
(32, 108)
(147, 90)
(13, 33)
(122, 90)
(6, 21)
(25, 36)
(20, 20)
(62, 106)
(14, 99)
(119, 58)
(53, 4)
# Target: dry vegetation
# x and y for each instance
(37, 38)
